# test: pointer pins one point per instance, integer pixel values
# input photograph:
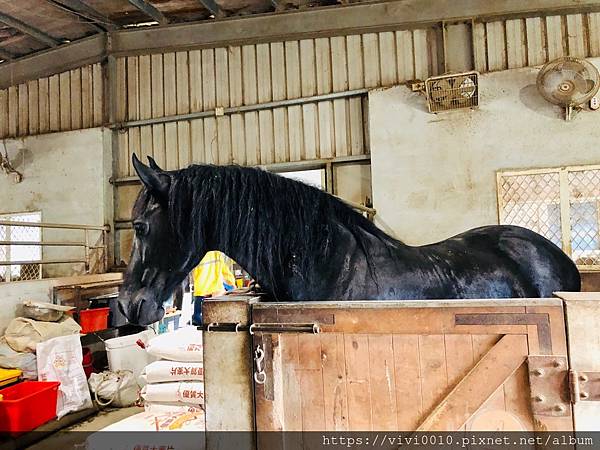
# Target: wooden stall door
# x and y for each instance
(583, 317)
(428, 366)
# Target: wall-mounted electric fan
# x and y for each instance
(568, 82)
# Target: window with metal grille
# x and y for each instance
(562, 204)
(27, 253)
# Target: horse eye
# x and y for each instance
(141, 228)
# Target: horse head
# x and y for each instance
(158, 263)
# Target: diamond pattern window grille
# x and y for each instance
(561, 204)
(31, 271)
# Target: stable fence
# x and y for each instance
(24, 251)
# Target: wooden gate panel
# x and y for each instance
(583, 319)
(403, 368)
(407, 369)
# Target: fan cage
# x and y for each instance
(452, 92)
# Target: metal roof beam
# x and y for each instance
(38, 35)
(213, 7)
(80, 9)
(150, 11)
(356, 18)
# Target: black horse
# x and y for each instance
(302, 244)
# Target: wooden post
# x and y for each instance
(228, 386)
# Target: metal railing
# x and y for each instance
(99, 246)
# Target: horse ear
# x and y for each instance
(153, 164)
(155, 181)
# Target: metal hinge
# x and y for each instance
(554, 387)
(584, 386)
(257, 328)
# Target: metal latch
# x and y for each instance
(270, 328)
(549, 385)
(585, 386)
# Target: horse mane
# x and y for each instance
(261, 213)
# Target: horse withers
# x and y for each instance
(302, 244)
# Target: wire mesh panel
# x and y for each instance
(532, 201)
(16, 252)
(584, 195)
(560, 204)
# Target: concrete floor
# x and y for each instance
(75, 436)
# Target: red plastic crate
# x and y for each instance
(27, 405)
(93, 319)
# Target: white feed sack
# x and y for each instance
(138, 426)
(185, 345)
(59, 359)
(185, 391)
(169, 371)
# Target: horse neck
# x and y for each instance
(237, 242)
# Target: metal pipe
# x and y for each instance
(240, 109)
(9, 223)
(48, 261)
(47, 243)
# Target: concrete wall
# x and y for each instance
(435, 175)
(66, 177)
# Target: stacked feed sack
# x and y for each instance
(135, 432)
(175, 383)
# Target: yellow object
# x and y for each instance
(214, 270)
(8, 376)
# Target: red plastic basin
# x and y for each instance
(93, 319)
(27, 405)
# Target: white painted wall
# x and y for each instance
(66, 177)
(435, 175)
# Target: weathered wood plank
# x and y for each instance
(145, 100)
(356, 349)
(87, 99)
(408, 378)
(53, 102)
(387, 58)
(576, 36)
(265, 118)
(98, 95)
(76, 107)
(404, 56)
(33, 107)
(4, 113)
(516, 48)
(478, 385)
(479, 47)
(158, 109)
(44, 107)
(297, 55)
(65, 100)
(421, 54)
(356, 74)
(383, 383)
(133, 95)
(195, 62)
(554, 37)
(536, 43)
(334, 382)
(371, 59)
(197, 140)
(594, 33)
(23, 109)
(496, 45)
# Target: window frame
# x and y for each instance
(564, 202)
(10, 216)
